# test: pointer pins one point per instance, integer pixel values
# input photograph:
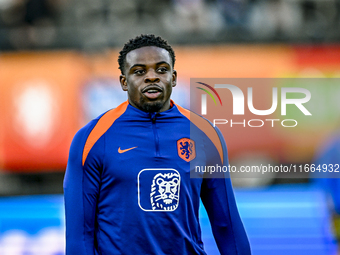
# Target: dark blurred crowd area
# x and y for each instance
(94, 24)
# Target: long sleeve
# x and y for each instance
(218, 198)
(81, 187)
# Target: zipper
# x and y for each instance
(155, 133)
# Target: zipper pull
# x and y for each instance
(153, 116)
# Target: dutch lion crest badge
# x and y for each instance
(186, 149)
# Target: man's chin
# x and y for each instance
(151, 106)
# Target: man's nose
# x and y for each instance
(151, 77)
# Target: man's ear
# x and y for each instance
(174, 78)
(123, 83)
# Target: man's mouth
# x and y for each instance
(152, 92)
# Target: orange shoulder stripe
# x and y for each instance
(103, 124)
(205, 126)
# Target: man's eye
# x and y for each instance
(139, 71)
(162, 69)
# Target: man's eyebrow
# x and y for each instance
(157, 64)
(141, 65)
(162, 62)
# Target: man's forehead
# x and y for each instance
(148, 55)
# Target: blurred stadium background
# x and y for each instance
(58, 70)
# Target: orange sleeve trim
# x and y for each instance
(205, 126)
(103, 124)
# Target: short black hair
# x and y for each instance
(143, 41)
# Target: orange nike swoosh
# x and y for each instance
(122, 151)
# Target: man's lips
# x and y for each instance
(152, 92)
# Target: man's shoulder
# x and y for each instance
(196, 119)
(106, 119)
(98, 126)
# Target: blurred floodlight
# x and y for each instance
(35, 112)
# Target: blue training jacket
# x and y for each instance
(132, 186)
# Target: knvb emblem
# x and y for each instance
(186, 149)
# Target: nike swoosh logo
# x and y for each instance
(122, 151)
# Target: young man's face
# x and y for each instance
(149, 78)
